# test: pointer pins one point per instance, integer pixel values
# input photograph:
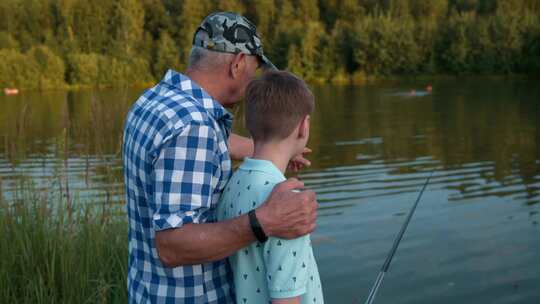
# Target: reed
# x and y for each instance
(50, 253)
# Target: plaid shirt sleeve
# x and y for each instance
(184, 177)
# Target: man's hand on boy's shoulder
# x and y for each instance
(286, 213)
(300, 161)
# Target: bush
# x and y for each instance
(139, 72)
(18, 70)
(51, 67)
(481, 56)
(124, 72)
(453, 46)
(166, 55)
(84, 69)
(39, 68)
(99, 70)
(384, 45)
(7, 41)
(531, 46)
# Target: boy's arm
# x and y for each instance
(300, 161)
(241, 147)
(295, 300)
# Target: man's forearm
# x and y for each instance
(240, 147)
(284, 214)
(202, 243)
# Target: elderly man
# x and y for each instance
(177, 160)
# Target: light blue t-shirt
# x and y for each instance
(278, 268)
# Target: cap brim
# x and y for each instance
(267, 65)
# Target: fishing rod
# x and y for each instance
(386, 264)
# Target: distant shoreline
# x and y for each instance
(351, 80)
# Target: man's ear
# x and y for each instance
(238, 65)
(303, 127)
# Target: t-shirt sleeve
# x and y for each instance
(184, 177)
(286, 265)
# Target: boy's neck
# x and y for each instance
(279, 153)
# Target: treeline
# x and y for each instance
(52, 43)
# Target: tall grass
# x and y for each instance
(55, 250)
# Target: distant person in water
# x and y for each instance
(177, 151)
(278, 109)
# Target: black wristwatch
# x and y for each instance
(256, 227)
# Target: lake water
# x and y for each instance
(474, 237)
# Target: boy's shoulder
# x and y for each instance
(256, 173)
(246, 190)
(251, 181)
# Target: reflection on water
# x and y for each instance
(68, 136)
(474, 237)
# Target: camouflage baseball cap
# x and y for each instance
(230, 33)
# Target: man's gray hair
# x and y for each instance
(206, 60)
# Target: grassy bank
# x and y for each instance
(53, 250)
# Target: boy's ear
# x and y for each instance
(237, 65)
(303, 127)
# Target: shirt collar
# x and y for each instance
(262, 165)
(184, 83)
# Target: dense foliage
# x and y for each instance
(48, 43)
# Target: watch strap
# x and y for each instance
(256, 227)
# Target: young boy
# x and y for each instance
(278, 108)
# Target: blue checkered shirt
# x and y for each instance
(176, 164)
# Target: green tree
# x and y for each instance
(506, 29)
(486, 7)
(18, 70)
(481, 54)
(330, 11)
(263, 14)
(51, 67)
(428, 16)
(84, 69)
(464, 5)
(193, 12)
(375, 6)
(287, 30)
(453, 47)
(33, 22)
(230, 6)
(304, 57)
(294, 60)
(430, 10)
(343, 34)
(128, 27)
(530, 61)
(400, 8)
(156, 18)
(325, 64)
(64, 20)
(7, 41)
(120, 42)
(166, 55)
(89, 22)
(385, 46)
(307, 10)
